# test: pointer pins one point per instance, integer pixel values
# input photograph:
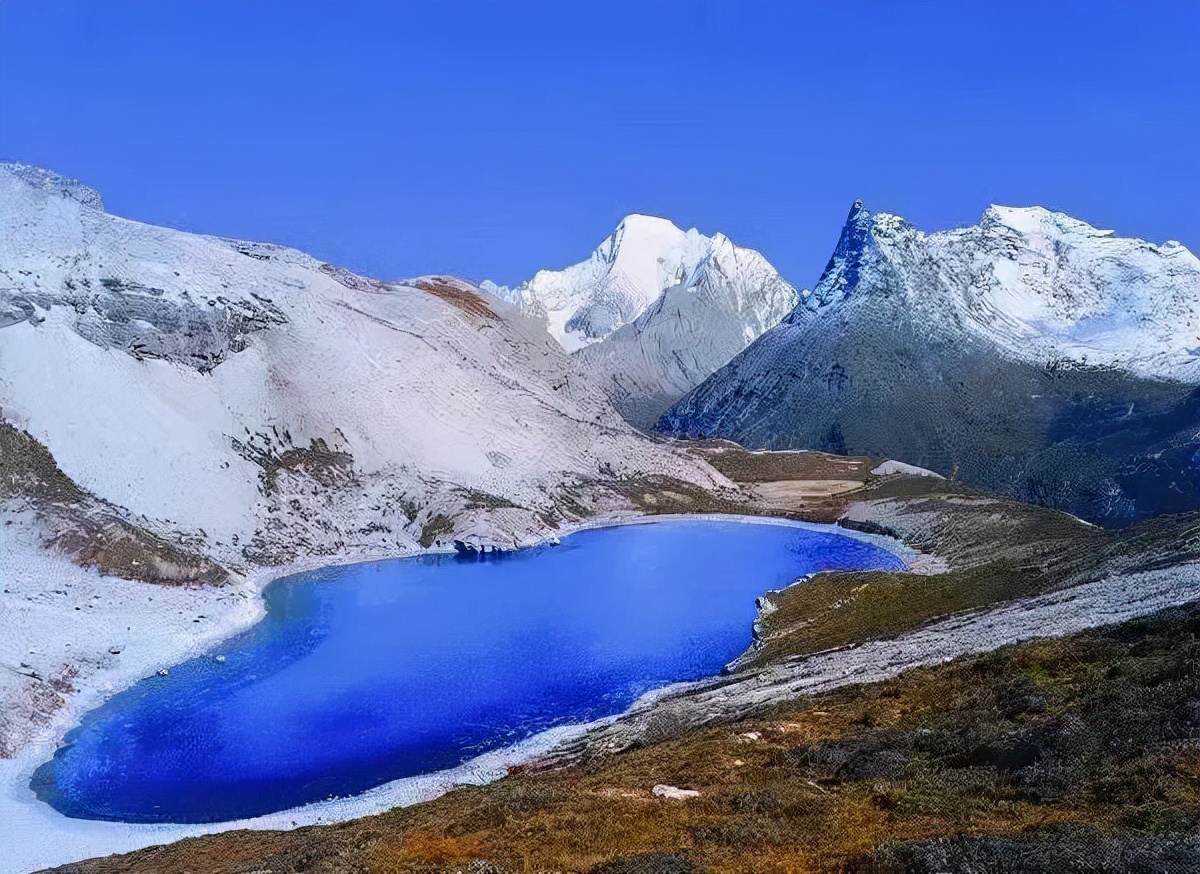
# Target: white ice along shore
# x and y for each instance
(126, 631)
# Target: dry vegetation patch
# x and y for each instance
(458, 294)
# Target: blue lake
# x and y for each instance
(363, 674)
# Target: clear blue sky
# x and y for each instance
(490, 140)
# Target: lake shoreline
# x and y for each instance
(100, 837)
(61, 839)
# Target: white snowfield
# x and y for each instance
(172, 373)
(1040, 285)
(655, 310)
(892, 468)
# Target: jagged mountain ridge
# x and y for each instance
(1030, 353)
(1039, 285)
(271, 405)
(655, 310)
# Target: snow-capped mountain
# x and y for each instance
(586, 302)
(1040, 285)
(1030, 352)
(655, 310)
(267, 405)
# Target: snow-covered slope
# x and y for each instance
(272, 406)
(1031, 353)
(655, 310)
(1039, 285)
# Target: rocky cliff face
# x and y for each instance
(1030, 353)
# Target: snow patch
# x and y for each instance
(892, 468)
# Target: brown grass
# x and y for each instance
(750, 466)
(996, 552)
(457, 294)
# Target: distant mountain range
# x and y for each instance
(1031, 354)
(248, 390)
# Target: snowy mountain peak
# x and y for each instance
(639, 234)
(643, 257)
(647, 251)
(1007, 351)
(655, 309)
(1040, 284)
(841, 273)
(1046, 285)
(857, 216)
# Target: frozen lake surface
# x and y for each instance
(363, 674)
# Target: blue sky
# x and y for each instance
(490, 140)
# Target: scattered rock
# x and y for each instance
(866, 757)
(648, 863)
